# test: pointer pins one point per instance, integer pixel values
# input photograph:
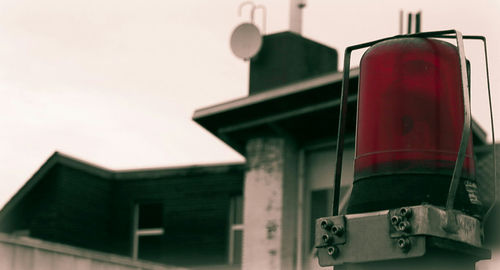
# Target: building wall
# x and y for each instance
(93, 209)
(195, 216)
(68, 206)
(36, 213)
(83, 206)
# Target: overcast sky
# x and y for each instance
(116, 82)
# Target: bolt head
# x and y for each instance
(326, 224)
(338, 230)
(405, 212)
(404, 226)
(395, 220)
(327, 239)
(404, 243)
(333, 251)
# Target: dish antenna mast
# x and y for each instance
(296, 7)
(246, 39)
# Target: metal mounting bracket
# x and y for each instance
(405, 232)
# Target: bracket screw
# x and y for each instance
(326, 224)
(333, 251)
(404, 226)
(327, 239)
(338, 230)
(404, 244)
(405, 212)
(395, 220)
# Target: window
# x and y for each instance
(148, 222)
(235, 230)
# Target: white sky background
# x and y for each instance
(116, 82)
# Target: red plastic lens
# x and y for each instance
(410, 109)
(410, 120)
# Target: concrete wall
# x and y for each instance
(30, 254)
(279, 185)
(270, 205)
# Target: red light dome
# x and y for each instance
(410, 120)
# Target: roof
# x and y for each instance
(273, 94)
(114, 175)
(308, 105)
(304, 110)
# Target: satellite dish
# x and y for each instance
(246, 41)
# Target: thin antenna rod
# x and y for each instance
(417, 22)
(401, 15)
(264, 15)
(409, 23)
(240, 8)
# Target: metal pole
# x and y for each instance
(296, 15)
(418, 21)
(409, 23)
(401, 15)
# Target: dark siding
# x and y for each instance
(195, 209)
(83, 207)
(273, 66)
(121, 232)
(37, 211)
(68, 206)
(43, 215)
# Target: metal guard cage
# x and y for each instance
(447, 34)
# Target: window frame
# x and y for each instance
(233, 227)
(140, 232)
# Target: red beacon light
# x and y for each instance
(410, 120)
(414, 194)
(413, 137)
